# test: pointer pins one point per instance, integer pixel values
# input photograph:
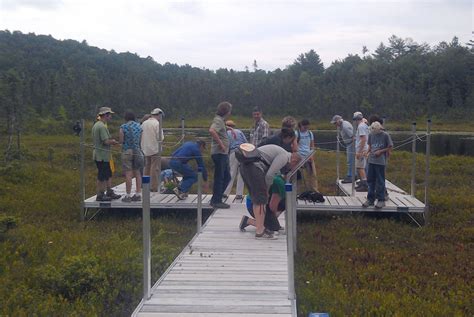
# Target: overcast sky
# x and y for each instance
(232, 34)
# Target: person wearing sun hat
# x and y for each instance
(152, 135)
(102, 144)
(259, 168)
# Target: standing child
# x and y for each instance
(305, 139)
(380, 144)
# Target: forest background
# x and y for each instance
(44, 82)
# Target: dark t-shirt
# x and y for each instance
(379, 141)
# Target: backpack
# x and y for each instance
(247, 160)
(298, 138)
(312, 195)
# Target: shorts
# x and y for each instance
(132, 160)
(253, 175)
(361, 162)
(103, 171)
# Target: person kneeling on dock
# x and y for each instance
(273, 209)
(179, 163)
(258, 169)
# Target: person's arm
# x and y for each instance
(266, 131)
(278, 163)
(106, 139)
(216, 138)
(121, 136)
(360, 150)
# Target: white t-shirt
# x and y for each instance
(362, 130)
(151, 136)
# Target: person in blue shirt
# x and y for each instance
(236, 138)
(179, 163)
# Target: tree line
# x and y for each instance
(42, 78)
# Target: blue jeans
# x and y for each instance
(221, 176)
(376, 182)
(350, 159)
(189, 175)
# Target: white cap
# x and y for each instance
(357, 116)
(157, 111)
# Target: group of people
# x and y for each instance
(372, 146)
(259, 163)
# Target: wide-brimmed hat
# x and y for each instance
(248, 150)
(357, 116)
(230, 123)
(157, 111)
(104, 110)
(336, 118)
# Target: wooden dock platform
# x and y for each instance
(399, 201)
(224, 272)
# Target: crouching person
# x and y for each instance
(258, 169)
(273, 209)
(179, 163)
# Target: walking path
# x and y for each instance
(224, 272)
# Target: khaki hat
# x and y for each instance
(248, 150)
(104, 110)
(230, 123)
(336, 118)
(357, 116)
(157, 111)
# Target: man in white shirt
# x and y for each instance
(361, 147)
(152, 136)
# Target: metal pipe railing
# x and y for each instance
(83, 177)
(427, 171)
(353, 150)
(338, 175)
(146, 238)
(413, 160)
(290, 209)
(199, 201)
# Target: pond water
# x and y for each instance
(441, 143)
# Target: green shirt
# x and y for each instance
(100, 134)
(278, 187)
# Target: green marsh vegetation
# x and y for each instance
(53, 264)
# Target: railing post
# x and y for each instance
(353, 150)
(83, 177)
(199, 201)
(289, 240)
(182, 128)
(160, 150)
(146, 238)
(427, 171)
(413, 159)
(294, 213)
(337, 155)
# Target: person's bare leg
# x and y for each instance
(259, 212)
(138, 181)
(128, 181)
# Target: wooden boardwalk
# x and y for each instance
(224, 272)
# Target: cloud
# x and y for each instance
(35, 4)
(231, 34)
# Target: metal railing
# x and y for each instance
(291, 223)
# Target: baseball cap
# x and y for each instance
(157, 111)
(336, 118)
(357, 116)
(104, 110)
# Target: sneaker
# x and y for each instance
(367, 203)
(362, 188)
(110, 193)
(179, 194)
(127, 199)
(243, 223)
(346, 180)
(136, 197)
(239, 197)
(225, 196)
(265, 235)
(220, 205)
(380, 204)
(102, 197)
